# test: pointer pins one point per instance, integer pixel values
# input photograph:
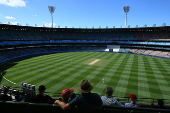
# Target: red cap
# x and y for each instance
(66, 92)
(132, 96)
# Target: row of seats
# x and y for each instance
(31, 34)
(151, 52)
(72, 35)
(12, 53)
(5, 43)
(25, 107)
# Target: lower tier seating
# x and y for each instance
(25, 107)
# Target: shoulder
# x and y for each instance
(103, 97)
(128, 104)
(47, 96)
(137, 104)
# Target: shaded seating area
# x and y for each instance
(118, 109)
(25, 107)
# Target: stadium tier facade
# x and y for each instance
(23, 40)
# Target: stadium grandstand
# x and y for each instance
(123, 69)
(24, 41)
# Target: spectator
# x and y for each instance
(160, 104)
(5, 96)
(41, 98)
(73, 95)
(132, 103)
(22, 96)
(28, 98)
(66, 95)
(85, 100)
(108, 99)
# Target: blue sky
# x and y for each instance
(82, 13)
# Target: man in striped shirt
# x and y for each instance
(108, 99)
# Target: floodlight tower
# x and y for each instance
(126, 10)
(51, 9)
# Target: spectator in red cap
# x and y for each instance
(84, 100)
(66, 95)
(132, 103)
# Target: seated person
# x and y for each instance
(22, 96)
(84, 100)
(66, 95)
(108, 99)
(28, 98)
(160, 104)
(41, 98)
(73, 95)
(132, 103)
(5, 96)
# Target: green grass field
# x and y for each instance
(127, 73)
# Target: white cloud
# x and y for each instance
(9, 17)
(49, 24)
(13, 3)
(34, 15)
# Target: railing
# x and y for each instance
(25, 107)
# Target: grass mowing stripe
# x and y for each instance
(70, 69)
(34, 62)
(164, 68)
(123, 81)
(73, 74)
(47, 67)
(163, 85)
(80, 72)
(44, 61)
(164, 64)
(94, 71)
(115, 72)
(143, 87)
(101, 73)
(35, 77)
(128, 82)
(111, 71)
(153, 85)
(36, 72)
(66, 79)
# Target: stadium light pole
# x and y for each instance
(126, 10)
(51, 9)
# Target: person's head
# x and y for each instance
(160, 102)
(22, 93)
(133, 97)
(41, 88)
(66, 93)
(28, 97)
(6, 90)
(109, 91)
(73, 95)
(85, 86)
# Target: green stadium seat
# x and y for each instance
(57, 108)
(38, 107)
(3, 107)
(17, 107)
(90, 110)
(117, 109)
